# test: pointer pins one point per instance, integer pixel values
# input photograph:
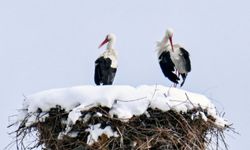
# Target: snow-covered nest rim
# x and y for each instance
(121, 115)
(95, 129)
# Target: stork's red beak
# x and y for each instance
(104, 42)
(171, 43)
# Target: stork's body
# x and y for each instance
(173, 59)
(106, 64)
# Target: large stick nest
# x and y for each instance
(154, 129)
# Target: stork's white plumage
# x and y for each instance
(106, 63)
(173, 59)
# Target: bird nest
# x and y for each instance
(154, 129)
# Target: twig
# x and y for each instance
(189, 100)
(131, 100)
(121, 137)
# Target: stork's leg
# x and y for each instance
(178, 74)
(175, 85)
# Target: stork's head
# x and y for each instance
(109, 38)
(169, 35)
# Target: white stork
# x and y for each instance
(106, 64)
(173, 59)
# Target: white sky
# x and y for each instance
(53, 43)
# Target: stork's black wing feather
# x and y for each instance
(98, 74)
(167, 67)
(110, 76)
(185, 54)
(104, 73)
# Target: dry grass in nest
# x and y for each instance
(154, 129)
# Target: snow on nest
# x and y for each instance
(96, 131)
(124, 101)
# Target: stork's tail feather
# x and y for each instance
(184, 76)
(173, 77)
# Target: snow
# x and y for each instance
(220, 122)
(199, 114)
(95, 131)
(70, 134)
(124, 102)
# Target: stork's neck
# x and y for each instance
(165, 41)
(110, 51)
(111, 44)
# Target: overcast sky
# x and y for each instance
(48, 44)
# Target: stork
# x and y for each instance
(173, 59)
(106, 64)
